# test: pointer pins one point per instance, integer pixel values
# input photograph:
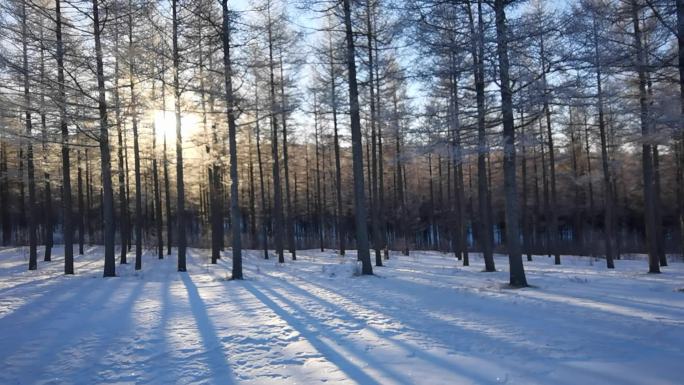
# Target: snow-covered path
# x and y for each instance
(422, 319)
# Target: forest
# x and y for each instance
(458, 128)
(250, 134)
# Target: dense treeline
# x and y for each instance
(520, 127)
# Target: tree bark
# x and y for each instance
(278, 221)
(232, 131)
(658, 205)
(159, 222)
(357, 148)
(81, 208)
(289, 222)
(517, 271)
(4, 208)
(477, 52)
(123, 203)
(646, 147)
(375, 214)
(680, 160)
(609, 214)
(591, 190)
(401, 201)
(341, 230)
(262, 189)
(107, 197)
(66, 163)
(577, 215)
(136, 145)
(49, 241)
(527, 249)
(553, 208)
(252, 192)
(31, 212)
(460, 241)
(180, 185)
(319, 203)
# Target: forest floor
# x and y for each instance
(422, 319)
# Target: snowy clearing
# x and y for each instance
(424, 319)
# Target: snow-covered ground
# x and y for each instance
(423, 319)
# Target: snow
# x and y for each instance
(423, 319)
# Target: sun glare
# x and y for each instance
(165, 125)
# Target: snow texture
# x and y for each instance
(423, 319)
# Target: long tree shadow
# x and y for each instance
(614, 309)
(354, 372)
(155, 351)
(78, 330)
(650, 305)
(40, 307)
(560, 321)
(53, 277)
(533, 299)
(396, 315)
(100, 334)
(136, 342)
(18, 263)
(411, 350)
(216, 359)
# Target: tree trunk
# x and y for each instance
(230, 113)
(4, 208)
(81, 208)
(107, 197)
(264, 211)
(21, 215)
(180, 186)
(553, 211)
(123, 203)
(213, 200)
(382, 215)
(31, 212)
(157, 196)
(215, 212)
(289, 223)
(591, 190)
(577, 219)
(66, 163)
(605, 162)
(517, 271)
(375, 220)
(278, 221)
(129, 233)
(136, 145)
(477, 52)
(545, 191)
(647, 150)
(89, 198)
(167, 200)
(460, 242)
(401, 202)
(252, 192)
(319, 204)
(357, 148)
(659, 234)
(49, 241)
(680, 160)
(431, 213)
(524, 217)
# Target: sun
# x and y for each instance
(165, 125)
